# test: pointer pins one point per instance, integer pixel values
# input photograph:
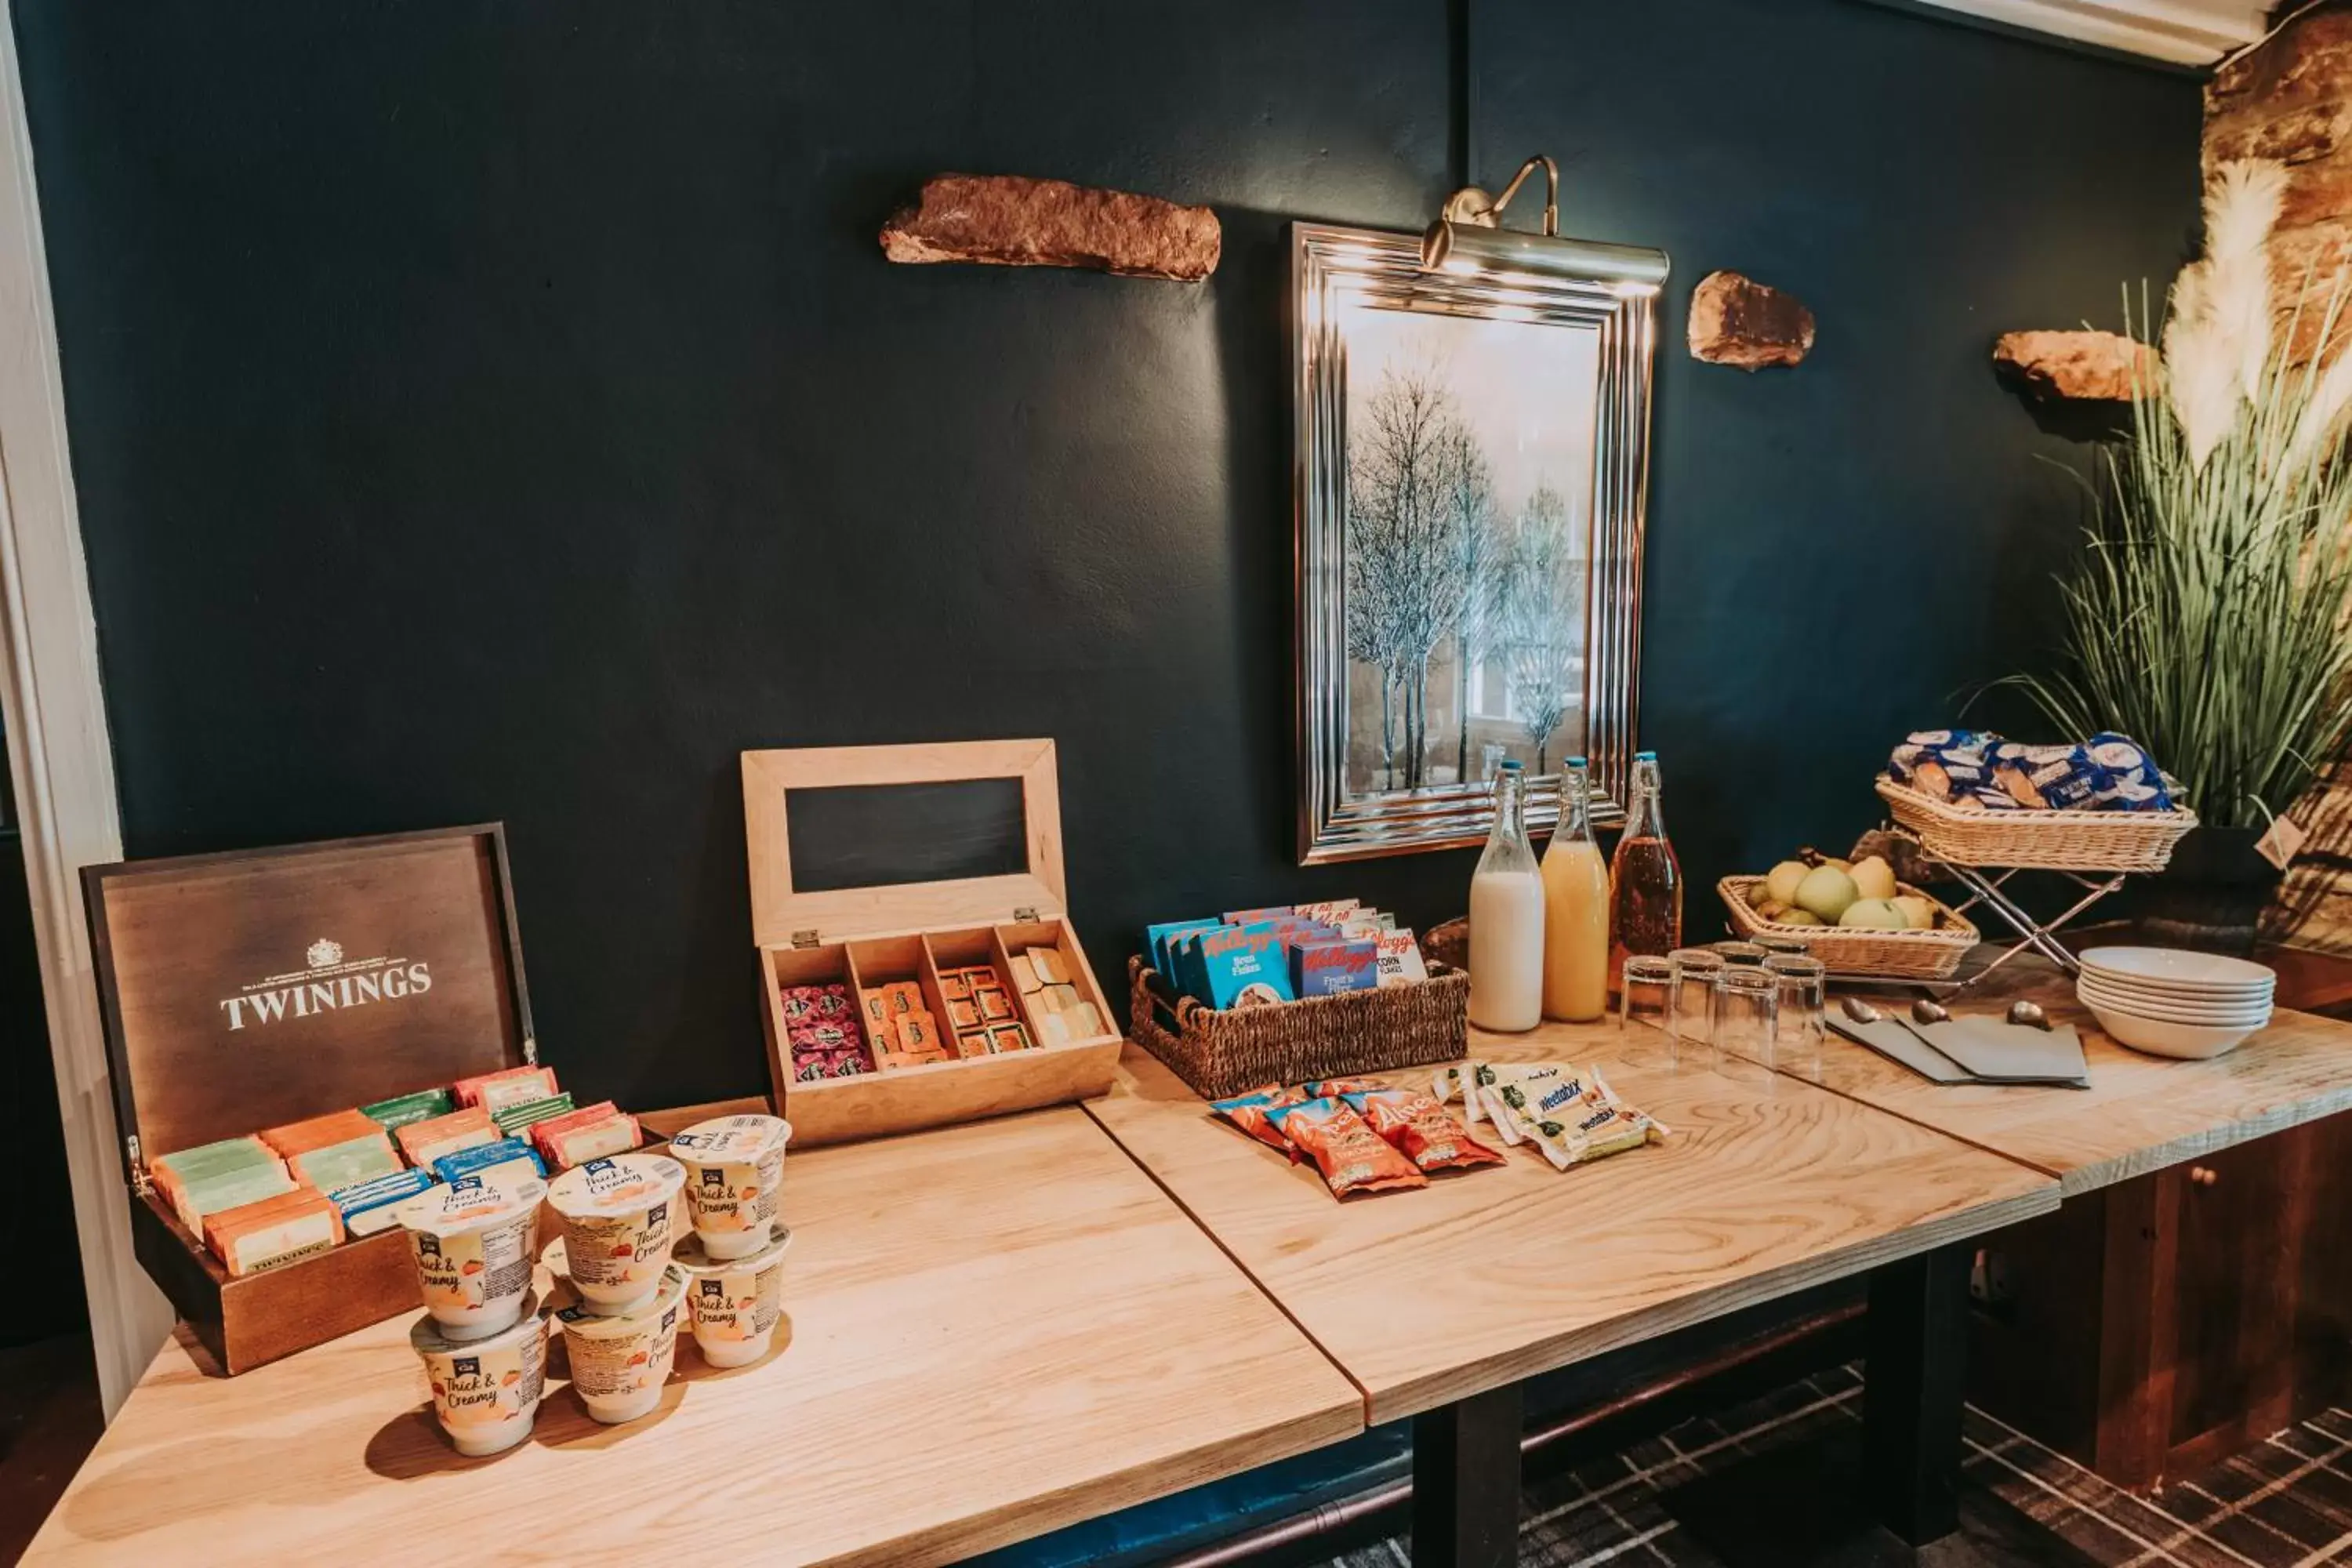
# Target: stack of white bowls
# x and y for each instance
(2171, 1002)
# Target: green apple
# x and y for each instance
(1874, 914)
(1826, 891)
(1800, 917)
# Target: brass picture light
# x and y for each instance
(1468, 239)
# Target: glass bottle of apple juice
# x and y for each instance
(1576, 907)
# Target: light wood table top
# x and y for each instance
(996, 1329)
(1491, 1275)
(2141, 1113)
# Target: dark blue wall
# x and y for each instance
(504, 412)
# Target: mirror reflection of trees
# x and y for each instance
(1432, 560)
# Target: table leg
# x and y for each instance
(1466, 1482)
(1918, 1347)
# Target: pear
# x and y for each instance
(1826, 891)
(1874, 877)
(1920, 912)
(1874, 914)
(1771, 909)
(1801, 918)
(1781, 882)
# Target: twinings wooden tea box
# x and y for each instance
(917, 963)
(261, 989)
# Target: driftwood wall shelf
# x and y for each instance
(1007, 220)
(2085, 366)
(1738, 321)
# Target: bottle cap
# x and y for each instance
(1510, 764)
(1645, 756)
(1574, 763)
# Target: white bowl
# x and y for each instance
(2188, 1042)
(2174, 998)
(2193, 1021)
(2179, 967)
(2252, 1014)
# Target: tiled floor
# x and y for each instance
(1772, 1484)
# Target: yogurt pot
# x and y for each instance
(734, 1178)
(486, 1391)
(619, 1220)
(620, 1361)
(734, 1301)
(472, 1243)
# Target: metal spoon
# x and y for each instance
(1927, 1011)
(1859, 1011)
(2030, 1014)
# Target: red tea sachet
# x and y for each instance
(1351, 1156)
(1425, 1131)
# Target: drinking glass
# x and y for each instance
(1783, 947)
(1746, 1011)
(1696, 971)
(1646, 997)
(1800, 1028)
(1738, 951)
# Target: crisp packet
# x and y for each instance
(1250, 1113)
(1333, 1088)
(1351, 1156)
(1422, 1130)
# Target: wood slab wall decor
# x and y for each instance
(2094, 365)
(1738, 321)
(1007, 220)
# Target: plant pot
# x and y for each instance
(2212, 894)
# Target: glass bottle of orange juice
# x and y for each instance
(1576, 907)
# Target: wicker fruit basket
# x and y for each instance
(2044, 840)
(1890, 954)
(1219, 1055)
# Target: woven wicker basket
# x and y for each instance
(2047, 840)
(1220, 1055)
(1892, 954)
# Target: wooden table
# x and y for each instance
(2188, 1300)
(995, 1331)
(2140, 1113)
(1437, 1303)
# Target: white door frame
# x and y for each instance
(60, 755)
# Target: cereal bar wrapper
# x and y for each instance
(1423, 1130)
(1351, 1156)
(1250, 1113)
(1581, 1118)
(1497, 1091)
(2133, 781)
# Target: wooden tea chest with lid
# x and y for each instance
(868, 915)
(247, 990)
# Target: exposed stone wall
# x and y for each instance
(2290, 99)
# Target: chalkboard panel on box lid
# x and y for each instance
(250, 989)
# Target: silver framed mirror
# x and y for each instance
(1472, 462)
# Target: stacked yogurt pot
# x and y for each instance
(651, 1244)
(2172, 1002)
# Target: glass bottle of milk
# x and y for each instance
(1507, 917)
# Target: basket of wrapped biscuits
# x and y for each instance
(1973, 798)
